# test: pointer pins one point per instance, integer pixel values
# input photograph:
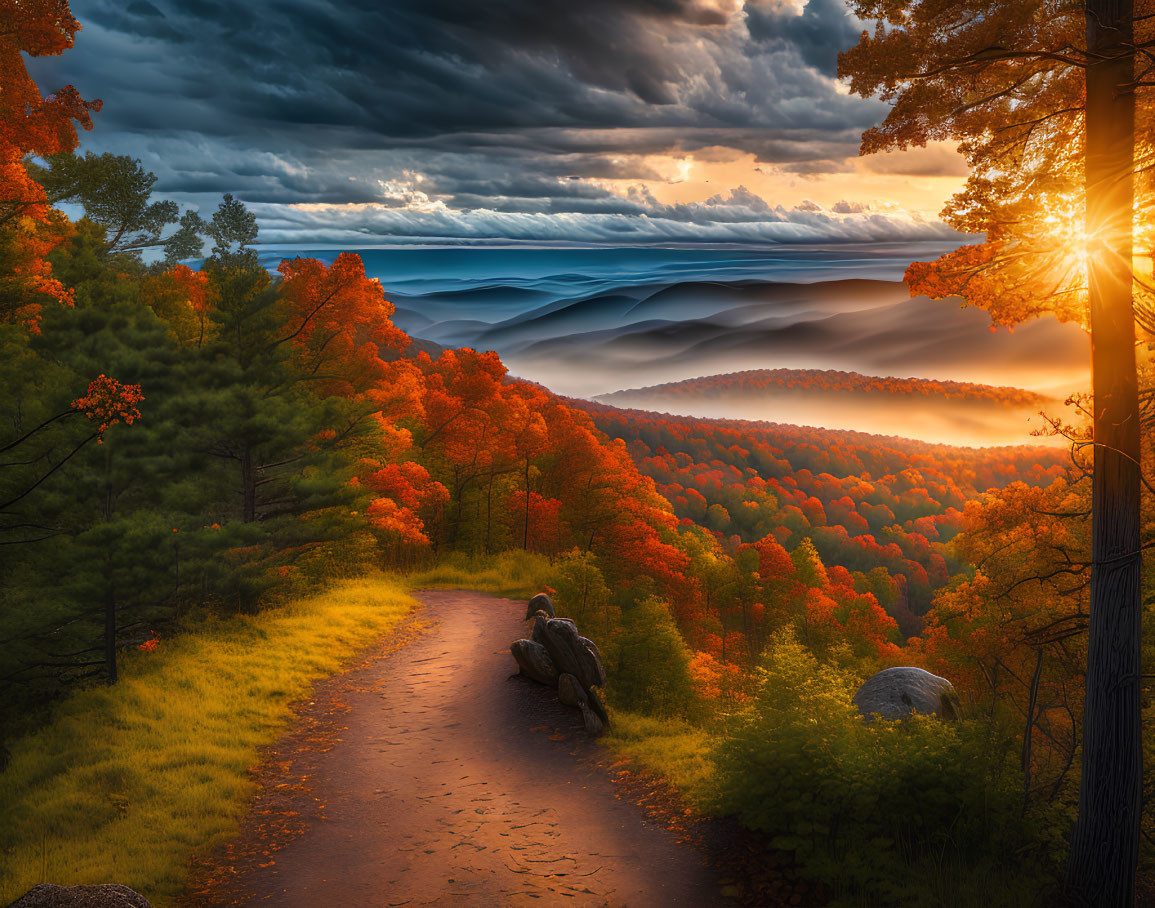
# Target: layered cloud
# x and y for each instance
(527, 119)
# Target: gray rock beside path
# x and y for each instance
(590, 719)
(534, 662)
(538, 635)
(108, 895)
(541, 602)
(570, 690)
(895, 693)
(597, 703)
(561, 657)
(570, 652)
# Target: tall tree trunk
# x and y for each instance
(1028, 732)
(1105, 845)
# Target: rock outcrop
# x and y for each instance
(561, 657)
(539, 603)
(895, 693)
(593, 723)
(534, 662)
(573, 653)
(538, 635)
(570, 690)
(108, 895)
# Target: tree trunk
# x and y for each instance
(109, 577)
(1105, 844)
(1028, 732)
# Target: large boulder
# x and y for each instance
(593, 648)
(108, 895)
(591, 720)
(538, 635)
(539, 603)
(895, 693)
(570, 691)
(571, 654)
(534, 662)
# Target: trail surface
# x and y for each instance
(434, 775)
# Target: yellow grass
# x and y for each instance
(671, 748)
(514, 574)
(125, 783)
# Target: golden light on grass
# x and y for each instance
(126, 783)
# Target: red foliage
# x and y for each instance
(109, 402)
(339, 323)
(32, 124)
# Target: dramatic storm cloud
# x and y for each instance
(369, 121)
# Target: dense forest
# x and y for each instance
(868, 504)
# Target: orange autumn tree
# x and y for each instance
(1012, 637)
(194, 287)
(1042, 98)
(338, 323)
(32, 125)
(410, 505)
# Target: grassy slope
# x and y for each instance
(127, 782)
(513, 574)
(673, 749)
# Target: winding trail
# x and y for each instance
(434, 775)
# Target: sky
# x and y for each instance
(533, 121)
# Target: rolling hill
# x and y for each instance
(958, 412)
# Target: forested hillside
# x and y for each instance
(770, 382)
(882, 506)
(951, 412)
(224, 437)
(185, 442)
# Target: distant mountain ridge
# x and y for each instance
(969, 414)
(584, 337)
(887, 446)
(767, 382)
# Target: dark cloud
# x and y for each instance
(824, 28)
(508, 105)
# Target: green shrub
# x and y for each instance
(581, 594)
(913, 812)
(651, 670)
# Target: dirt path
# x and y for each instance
(436, 776)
